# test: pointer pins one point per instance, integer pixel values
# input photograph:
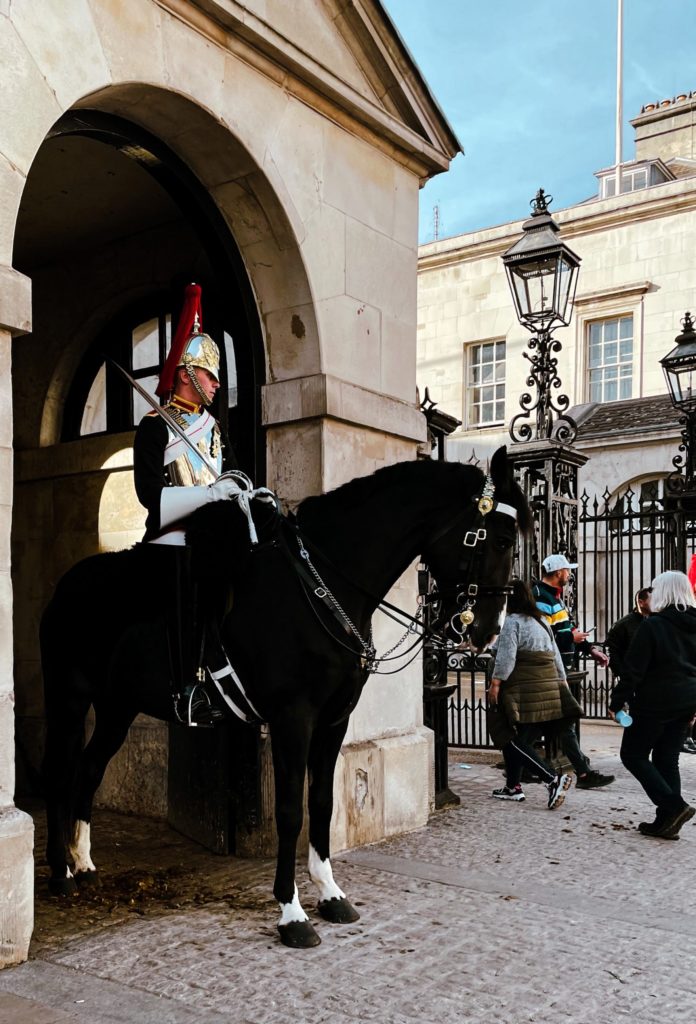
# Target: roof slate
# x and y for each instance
(632, 416)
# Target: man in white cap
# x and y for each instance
(571, 641)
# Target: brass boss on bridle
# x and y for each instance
(469, 565)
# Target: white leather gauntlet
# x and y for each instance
(179, 502)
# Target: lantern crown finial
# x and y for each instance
(540, 203)
(687, 333)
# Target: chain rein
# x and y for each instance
(485, 503)
(322, 592)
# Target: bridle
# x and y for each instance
(469, 565)
(466, 595)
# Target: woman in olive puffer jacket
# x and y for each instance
(528, 696)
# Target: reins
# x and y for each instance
(465, 594)
(312, 582)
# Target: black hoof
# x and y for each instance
(88, 880)
(62, 886)
(338, 911)
(298, 935)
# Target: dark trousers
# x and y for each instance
(659, 775)
(568, 740)
(520, 753)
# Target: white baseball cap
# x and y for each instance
(552, 563)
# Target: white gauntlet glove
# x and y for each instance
(222, 489)
(179, 502)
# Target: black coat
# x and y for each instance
(619, 639)
(659, 670)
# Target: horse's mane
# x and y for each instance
(427, 472)
(218, 533)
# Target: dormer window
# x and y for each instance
(634, 177)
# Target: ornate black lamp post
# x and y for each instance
(436, 688)
(542, 273)
(679, 367)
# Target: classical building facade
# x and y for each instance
(637, 279)
(273, 152)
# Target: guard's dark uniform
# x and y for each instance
(162, 460)
(171, 482)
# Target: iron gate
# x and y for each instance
(624, 541)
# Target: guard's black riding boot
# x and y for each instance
(192, 702)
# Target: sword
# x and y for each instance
(163, 414)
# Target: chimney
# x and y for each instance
(667, 130)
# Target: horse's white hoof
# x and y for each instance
(338, 911)
(298, 935)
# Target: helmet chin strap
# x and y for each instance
(193, 377)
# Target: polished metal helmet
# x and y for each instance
(201, 352)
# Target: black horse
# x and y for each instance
(103, 640)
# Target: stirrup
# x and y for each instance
(195, 704)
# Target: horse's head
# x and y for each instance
(470, 556)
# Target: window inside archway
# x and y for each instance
(102, 402)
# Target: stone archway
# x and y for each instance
(64, 484)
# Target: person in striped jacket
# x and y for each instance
(571, 641)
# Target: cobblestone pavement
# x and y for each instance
(493, 912)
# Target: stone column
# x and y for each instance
(16, 827)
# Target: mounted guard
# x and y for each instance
(179, 458)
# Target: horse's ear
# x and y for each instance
(501, 470)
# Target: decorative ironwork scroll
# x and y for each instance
(550, 419)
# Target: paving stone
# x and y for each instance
(494, 912)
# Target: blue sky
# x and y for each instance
(529, 87)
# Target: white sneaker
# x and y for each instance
(508, 794)
(558, 789)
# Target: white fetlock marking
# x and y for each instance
(321, 874)
(81, 848)
(290, 912)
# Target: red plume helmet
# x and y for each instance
(190, 322)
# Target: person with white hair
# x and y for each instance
(658, 683)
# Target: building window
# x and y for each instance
(633, 178)
(485, 391)
(631, 181)
(639, 508)
(610, 359)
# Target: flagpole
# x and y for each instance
(619, 93)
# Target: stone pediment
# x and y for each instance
(343, 54)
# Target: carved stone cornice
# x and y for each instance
(674, 197)
(405, 121)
